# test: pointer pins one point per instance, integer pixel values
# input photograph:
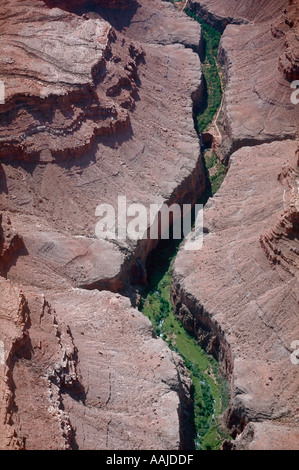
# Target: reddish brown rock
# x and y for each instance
(88, 374)
(75, 4)
(265, 436)
(55, 108)
(281, 242)
(136, 389)
(254, 50)
(11, 244)
(220, 13)
(149, 164)
(289, 29)
(79, 127)
(243, 308)
(40, 364)
(14, 324)
(257, 102)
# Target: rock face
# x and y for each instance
(242, 307)
(263, 111)
(98, 104)
(98, 115)
(259, 55)
(53, 109)
(265, 436)
(220, 13)
(289, 28)
(65, 373)
(79, 127)
(239, 294)
(75, 4)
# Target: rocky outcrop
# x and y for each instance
(160, 23)
(265, 436)
(241, 307)
(137, 390)
(79, 127)
(258, 44)
(239, 294)
(14, 336)
(86, 372)
(39, 365)
(220, 13)
(55, 108)
(10, 244)
(75, 4)
(288, 28)
(263, 111)
(281, 242)
(58, 200)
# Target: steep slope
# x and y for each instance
(239, 294)
(99, 116)
(86, 391)
(78, 128)
(222, 12)
(243, 310)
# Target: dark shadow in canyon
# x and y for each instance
(118, 19)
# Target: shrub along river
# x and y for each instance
(211, 391)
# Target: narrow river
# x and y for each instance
(211, 392)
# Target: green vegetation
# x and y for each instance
(210, 390)
(213, 89)
(211, 99)
(216, 170)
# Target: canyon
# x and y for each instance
(239, 294)
(99, 102)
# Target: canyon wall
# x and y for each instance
(94, 109)
(239, 294)
(75, 4)
(98, 104)
(220, 13)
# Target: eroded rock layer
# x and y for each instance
(239, 294)
(289, 29)
(257, 102)
(78, 128)
(243, 308)
(89, 372)
(75, 4)
(220, 13)
(99, 116)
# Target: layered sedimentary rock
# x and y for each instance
(79, 127)
(257, 103)
(75, 4)
(221, 13)
(99, 115)
(239, 294)
(265, 436)
(53, 109)
(89, 373)
(259, 55)
(243, 308)
(288, 27)
(281, 242)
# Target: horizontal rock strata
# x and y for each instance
(243, 308)
(87, 369)
(79, 128)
